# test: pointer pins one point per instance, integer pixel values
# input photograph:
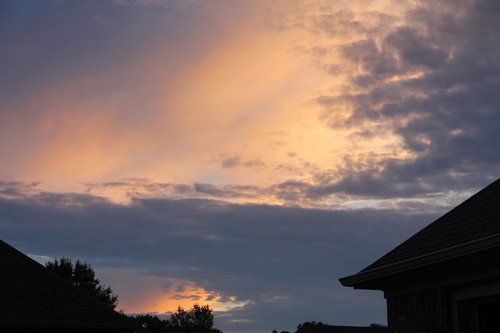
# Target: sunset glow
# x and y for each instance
(174, 293)
(239, 107)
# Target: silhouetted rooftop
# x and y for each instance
(34, 297)
(472, 226)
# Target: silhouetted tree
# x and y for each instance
(305, 326)
(198, 319)
(82, 276)
(152, 323)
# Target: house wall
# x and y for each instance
(469, 304)
(418, 312)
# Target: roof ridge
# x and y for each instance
(470, 227)
(441, 218)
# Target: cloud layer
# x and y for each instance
(262, 267)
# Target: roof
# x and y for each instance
(33, 296)
(472, 226)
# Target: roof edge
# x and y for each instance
(426, 259)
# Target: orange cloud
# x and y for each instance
(148, 294)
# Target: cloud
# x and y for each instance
(354, 191)
(429, 77)
(17, 189)
(273, 261)
(230, 161)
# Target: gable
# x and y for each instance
(33, 296)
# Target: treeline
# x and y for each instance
(198, 319)
(320, 327)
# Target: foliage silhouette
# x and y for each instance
(198, 319)
(308, 325)
(152, 323)
(319, 327)
(82, 276)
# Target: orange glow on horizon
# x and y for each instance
(155, 298)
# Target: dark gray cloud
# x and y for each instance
(285, 261)
(16, 189)
(446, 112)
(228, 191)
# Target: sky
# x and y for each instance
(242, 154)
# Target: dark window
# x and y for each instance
(479, 315)
(488, 317)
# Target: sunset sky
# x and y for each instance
(242, 154)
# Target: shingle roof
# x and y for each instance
(474, 224)
(32, 296)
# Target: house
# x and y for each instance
(34, 299)
(445, 278)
